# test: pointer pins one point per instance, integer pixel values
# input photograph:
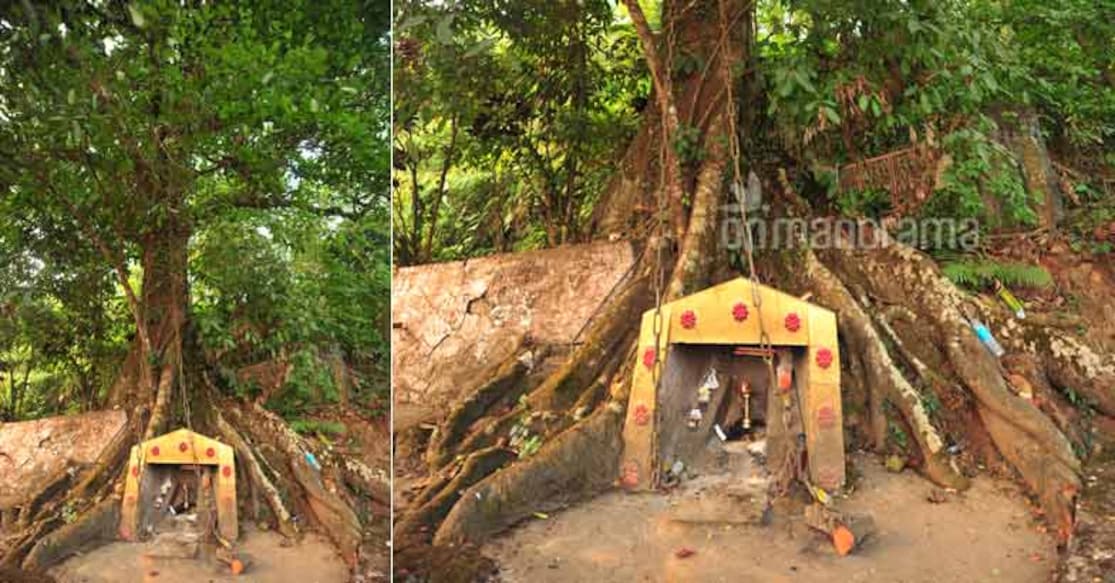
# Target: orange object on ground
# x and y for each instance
(843, 540)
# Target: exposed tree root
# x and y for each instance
(610, 334)
(73, 492)
(319, 487)
(259, 483)
(167, 379)
(505, 385)
(1071, 364)
(95, 526)
(437, 503)
(697, 254)
(1029, 440)
(373, 483)
(580, 462)
(883, 378)
(1028, 372)
(110, 465)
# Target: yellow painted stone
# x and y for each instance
(182, 447)
(728, 314)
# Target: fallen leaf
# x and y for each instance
(684, 553)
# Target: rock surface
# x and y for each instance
(33, 451)
(451, 321)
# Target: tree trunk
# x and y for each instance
(914, 359)
(173, 369)
(577, 411)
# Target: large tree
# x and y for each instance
(136, 140)
(790, 90)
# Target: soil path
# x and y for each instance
(985, 534)
(312, 560)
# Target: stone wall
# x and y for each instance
(452, 322)
(33, 451)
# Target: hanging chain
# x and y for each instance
(766, 347)
(660, 244)
(741, 200)
(180, 373)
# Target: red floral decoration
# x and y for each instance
(829, 478)
(155, 451)
(739, 311)
(824, 358)
(642, 414)
(649, 356)
(793, 322)
(182, 446)
(630, 476)
(826, 417)
(688, 319)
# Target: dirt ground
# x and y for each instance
(312, 560)
(985, 534)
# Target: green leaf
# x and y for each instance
(444, 32)
(410, 22)
(831, 114)
(480, 47)
(803, 81)
(137, 16)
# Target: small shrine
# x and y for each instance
(736, 361)
(179, 472)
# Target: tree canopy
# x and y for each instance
(507, 116)
(512, 117)
(251, 139)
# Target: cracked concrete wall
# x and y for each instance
(33, 451)
(452, 322)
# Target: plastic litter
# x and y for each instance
(711, 380)
(1012, 302)
(695, 417)
(989, 341)
(310, 459)
(720, 432)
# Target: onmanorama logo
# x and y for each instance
(831, 233)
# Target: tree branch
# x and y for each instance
(119, 268)
(664, 91)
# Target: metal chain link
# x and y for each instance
(660, 243)
(767, 348)
(184, 392)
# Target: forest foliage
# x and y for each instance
(507, 129)
(259, 130)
